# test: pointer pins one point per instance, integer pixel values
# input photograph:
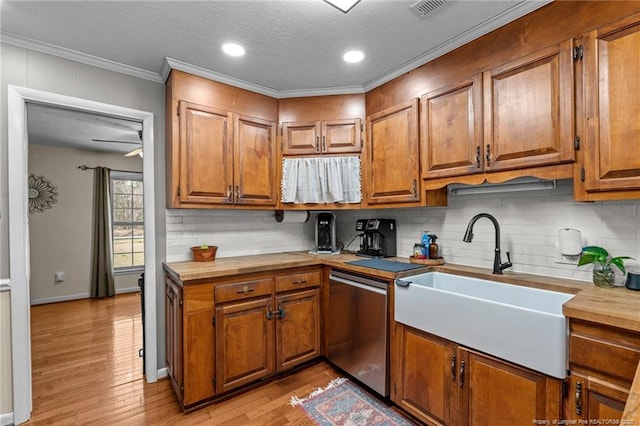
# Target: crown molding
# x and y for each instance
(474, 33)
(169, 64)
(74, 55)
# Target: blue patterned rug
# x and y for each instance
(341, 403)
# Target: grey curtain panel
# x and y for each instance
(102, 265)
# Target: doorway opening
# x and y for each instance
(19, 246)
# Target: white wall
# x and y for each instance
(235, 232)
(529, 224)
(5, 353)
(35, 70)
(61, 237)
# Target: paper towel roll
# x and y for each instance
(294, 216)
(570, 241)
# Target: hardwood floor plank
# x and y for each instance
(86, 370)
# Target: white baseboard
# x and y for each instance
(77, 296)
(163, 372)
(6, 419)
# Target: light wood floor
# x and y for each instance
(86, 370)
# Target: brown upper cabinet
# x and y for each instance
(612, 85)
(391, 164)
(322, 137)
(515, 116)
(528, 110)
(225, 158)
(452, 130)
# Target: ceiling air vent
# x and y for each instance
(427, 7)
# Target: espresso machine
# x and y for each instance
(326, 242)
(378, 238)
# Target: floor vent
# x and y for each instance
(425, 8)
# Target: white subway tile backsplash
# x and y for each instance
(529, 224)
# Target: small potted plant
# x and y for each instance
(204, 253)
(602, 261)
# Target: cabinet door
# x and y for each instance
(595, 401)
(254, 161)
(198, 343)
(341, 136)
(612, 85)
(451, 138)
(297, 328)
(173, 319)
(391, 164)
(301, 138)
(494, 392)
(528, 110)
(244, 343)
(206, 155)
(427, 381)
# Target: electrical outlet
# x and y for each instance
(566, 258)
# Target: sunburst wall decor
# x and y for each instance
(41, 194)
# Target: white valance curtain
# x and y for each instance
(321, 180)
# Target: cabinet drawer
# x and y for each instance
(242, 290)
(612, 352)
(299, 280)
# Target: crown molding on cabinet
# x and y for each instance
(74, 55)
(169, 63)
(521, 9)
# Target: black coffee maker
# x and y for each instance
(326, 233)
(378, 238)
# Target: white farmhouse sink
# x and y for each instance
(519, 324)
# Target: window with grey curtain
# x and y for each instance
(102, 258)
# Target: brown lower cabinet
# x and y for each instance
(442, 383)
(603, 361)
(229, 333)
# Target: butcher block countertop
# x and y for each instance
(617, 307)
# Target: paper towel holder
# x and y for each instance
(568, 246)
(297, 216)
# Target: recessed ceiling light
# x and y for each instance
(233, 49)
(343, 5)
(353, 56)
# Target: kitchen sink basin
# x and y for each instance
(520, 324)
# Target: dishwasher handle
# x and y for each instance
(358, 285)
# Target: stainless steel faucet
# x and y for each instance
(498, 266)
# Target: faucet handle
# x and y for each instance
(507, 264)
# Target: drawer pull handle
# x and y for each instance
(297, 282)
(461, 379)
(488, 156)
(478, 156)
(578, 400)
(245, 290)
(453, 367)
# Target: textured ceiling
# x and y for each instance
(291, 45)
(294, 47)
(67, 128)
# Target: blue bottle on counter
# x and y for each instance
(426, 239)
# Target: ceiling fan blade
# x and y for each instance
(134, 152)
(109, 140)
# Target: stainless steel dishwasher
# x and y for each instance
(358, 328)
